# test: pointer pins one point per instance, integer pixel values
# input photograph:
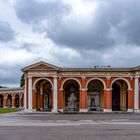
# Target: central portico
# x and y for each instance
(51, 88)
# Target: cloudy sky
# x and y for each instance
(67, 33)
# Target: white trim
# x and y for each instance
(70, 79)
(107, 110)
(42, 79)
(99, 79)
(128, 84)
(83, 110)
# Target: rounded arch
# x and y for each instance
(71, 79)
(99, 79)
(42, 79)
(123, 79)
(17, 93)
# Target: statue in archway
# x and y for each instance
(72, 100)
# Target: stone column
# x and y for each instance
(108, 96)
(25, 97)
(29, 93)
(136, 95)
(55, 95)
(13, 102)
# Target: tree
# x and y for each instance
(22, 81)
(2, 87)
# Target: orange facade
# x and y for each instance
(76, 89)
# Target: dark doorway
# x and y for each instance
(71, 95)
(1, 100)
(116, 98)
(17, 100)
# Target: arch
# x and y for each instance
(42, 79)
(101, 80)
(71, 79)
(116, 79)
(17, 100)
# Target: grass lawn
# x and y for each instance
(8, 110)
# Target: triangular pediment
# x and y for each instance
(40, 66)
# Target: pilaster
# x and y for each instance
(108, 96)
(83, 95)
(13, 102)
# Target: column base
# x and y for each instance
(30, 110)
(83, 110)
(136, 110)
(55, 111)
(60, 110)
(107, 110)
(13, 107)
(130, 110)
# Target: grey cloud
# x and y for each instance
(33, 11)
(10, 75)
(6, 32)
(122, 16)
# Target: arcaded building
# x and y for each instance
(11, 97)
(56, 89)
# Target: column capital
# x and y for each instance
(108, 89)
(129, 89)
(83, 77)
(61, 89)
(108, 77)
(84, 89)
(29, 76)
(136, 76)
(55, 77)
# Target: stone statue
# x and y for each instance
(72, 100)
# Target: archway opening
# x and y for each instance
(9, 100)
(119, 96)
(17, 100)
(44, 95)
(95, 92)
(1, 100)
(71, 95)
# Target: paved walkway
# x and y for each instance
(49, 126)
(50, 119)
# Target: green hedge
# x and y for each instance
(8, 110)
